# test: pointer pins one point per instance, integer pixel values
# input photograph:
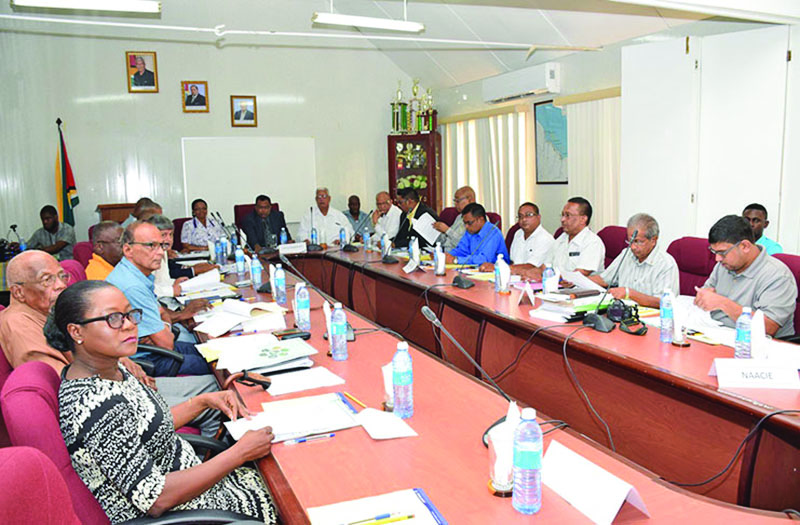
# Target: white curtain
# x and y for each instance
(593, 142)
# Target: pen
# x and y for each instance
(309, 438)
(383, 518)
(352, 398)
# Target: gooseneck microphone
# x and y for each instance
(313, 247)
(349, 246)
(594, 319)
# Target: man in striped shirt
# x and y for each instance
(644, 273)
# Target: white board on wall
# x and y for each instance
(225, 171)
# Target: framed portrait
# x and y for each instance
(142, 71)
(551, 143)
(194, 96)
(244, 113)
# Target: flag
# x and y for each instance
(66, 192)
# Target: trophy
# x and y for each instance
(399, 113)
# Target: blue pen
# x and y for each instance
(309, 438)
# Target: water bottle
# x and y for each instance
(411, 244)
(255, 273)
(22, 245)
(342, 237)
(339, 335)
(403, 382)
(667, 321)
(234, 240)
(279, 293)
(284, 236)
(385, 244)
(218, 252)
(223, 241)
(438, 254)
(239, 260)
(527, 493)
(302, 313)
(742, 345)
(549, 280)
(366, 240)
(314, 236)
(497, 287)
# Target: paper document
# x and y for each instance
(221, 291)
(213, 349)
(581, 281)
(203, 281)
(192, 256)
(302, 362)
(401, 503)
(424, 227)
(251, 352)
(383, 425)
(303, 380)
(305, 416)
(251, 316)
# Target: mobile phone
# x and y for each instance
(292, 333)
(243, 284)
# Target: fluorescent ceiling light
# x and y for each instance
(336, 19)
(127, 6)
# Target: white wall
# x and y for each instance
(789, 218)
(123, 146)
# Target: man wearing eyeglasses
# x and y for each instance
(643, 274)
(746, 275)
(451, 235)
(578, 248)
(482, 242)
(532, 244)
(106, 250)
(143, 251)
(386, 217)
(326, 220)
(413, 208)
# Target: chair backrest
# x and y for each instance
(510, 236)
(32, 490)
(495, 219)
(74, 269)
(793, 262)
(29, 401)
(240, 211)
(558, 232)
(82, 252)
(613, 238)
(176, 237)
(91, 231)
(448, 215)
(5, 371)
(694, 261)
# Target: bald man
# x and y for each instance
(386, 217)
(451, 235)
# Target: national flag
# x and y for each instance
(66, 192)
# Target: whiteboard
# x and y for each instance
(225, 171)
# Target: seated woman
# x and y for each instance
(197, 232)
(121, 435)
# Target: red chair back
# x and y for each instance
(176, 236)
(694, 261)
(510, 236)
(29, 401)
(82, 252)
(240, 211)
(91, 231)
(5, 371)
(793, 262)
(449, 216)
(74, 269)
(495, 219)
(613, 238)
(558, 232)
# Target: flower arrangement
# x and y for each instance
(418, 182)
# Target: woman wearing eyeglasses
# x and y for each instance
(121, 435)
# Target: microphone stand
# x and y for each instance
(313, 247)
(349, 247)
(594, 319)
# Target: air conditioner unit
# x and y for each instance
(537, 80)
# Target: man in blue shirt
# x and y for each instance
(143, 250)
(757, 215)
(481, 243)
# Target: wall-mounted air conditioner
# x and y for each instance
(536, 80)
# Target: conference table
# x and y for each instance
(447, 459)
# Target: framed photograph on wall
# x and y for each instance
(243, 111)
(551, 143)
(142, 71)
(194, 94)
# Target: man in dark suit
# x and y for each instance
(195, 99)
(408, 200)
(142, 77)
(244, 113)
(263, 226)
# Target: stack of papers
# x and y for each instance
(250, 317)
(383, 425)
(204, 281)
(400, 504)
(191, 256)
(250, 352)
(303, 380)
(424, 227)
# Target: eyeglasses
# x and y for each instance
(723, 253)
(108, 242)
(638, 241)
(115, 320)
(526, 215)
(570, 215)
(152, 246)
(456, 200)
(49, 280)
(468, 222)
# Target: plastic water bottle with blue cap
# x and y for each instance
(666, 314)
(284, 236)
(339, 333)
(367, 240)
(302, 304)
(255, 272)
(342, 237)
(239, 257)
(403, 382)
(279, 293)
(314, 236)
(742, 347)
(526, 497)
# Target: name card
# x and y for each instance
(754, 373)
(595, 492)
(526, 293)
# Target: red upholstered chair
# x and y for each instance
(449, 215)
(176, 237)
(75, 270)
(82, 252)
(613, 238)
(5, 371)
(695, 262)
(793, 262)
(32, 490)
(91, 231)
(495, 219)
(558, 232)
(510, 236)
(240, 211)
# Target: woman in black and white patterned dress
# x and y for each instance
(121, 434)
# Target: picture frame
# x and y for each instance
(244, 112)
(194, 96)
(142, 71)
(550, 124)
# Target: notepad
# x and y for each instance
(250, 352)
(233, 313)
(384, 425)
(401, 502)
(317, 377)
(203, 281)
(215, 348)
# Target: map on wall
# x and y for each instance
(551, 144)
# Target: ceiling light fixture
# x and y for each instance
(386, 24)
(126, 6)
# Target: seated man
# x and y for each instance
(54, 237)
(145, 204)
(36, 280)
(452, 235)
(578, 247)
(358, 219)
(482, 241)
(532, 245)
(413, 209)
(326, 220)
(142, 249)
(263, 226)
(644, 274)
(106, 248)
(386, 217)
(757, 215)
(746, 275)
(202, 229)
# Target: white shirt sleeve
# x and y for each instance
(186, 232)
(593, 254)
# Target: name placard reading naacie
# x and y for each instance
(755, 373)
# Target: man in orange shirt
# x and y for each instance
(107, 250)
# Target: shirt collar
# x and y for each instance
(130, 268)
(756, 265)
(579, 237)
(102, 262)
(22, 307)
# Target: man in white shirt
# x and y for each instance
(532, 244)
(451, 235)
(327, 221)
(386, 217)
(578, 248)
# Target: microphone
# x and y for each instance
(14, 229)
(349, 247)
(312, 247)
(594, 319)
